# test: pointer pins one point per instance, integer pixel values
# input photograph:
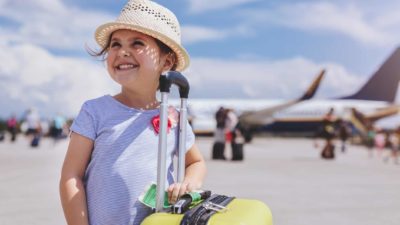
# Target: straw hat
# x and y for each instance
(152, 19)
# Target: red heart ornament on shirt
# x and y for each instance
(155, 121)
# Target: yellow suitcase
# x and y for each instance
(238, 211)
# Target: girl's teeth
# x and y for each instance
(125, 66)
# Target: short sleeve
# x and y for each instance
(84, 123)
(190, 137)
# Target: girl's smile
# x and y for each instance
(125, 66)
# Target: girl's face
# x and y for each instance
(134, 60)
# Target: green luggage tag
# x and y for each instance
(149, 197)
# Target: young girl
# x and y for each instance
(112, 154)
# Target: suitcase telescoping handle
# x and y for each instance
(166, 80)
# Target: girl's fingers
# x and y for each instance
(170, 190)
(174, 193)
(176, 190)
(183, 189)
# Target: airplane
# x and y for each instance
(373, 101)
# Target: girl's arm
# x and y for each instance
(194, 175)
(72, 191)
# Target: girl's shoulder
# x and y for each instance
(99, 101)
(103, 103)
(99, 105)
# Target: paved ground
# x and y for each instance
(286, 174)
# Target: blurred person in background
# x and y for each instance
(380, 141)
(370, 140)
(234, 135)
(12, 127)
(218, 151)
(394, 143)
(58, 126)
(32, 120)
(328, 133)
(344, 133)
(230, 124)
(2, 129)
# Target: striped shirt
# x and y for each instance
(124, 159)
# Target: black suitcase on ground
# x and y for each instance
(237, 151)
(35, 141)
(218, 151)
(328, 152)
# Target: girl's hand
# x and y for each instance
(176, 190)
(195, 170)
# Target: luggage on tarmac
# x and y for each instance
(35, 141)
(237, 145)
(237, 151)
(218, 151)
(328, 152)
(214, 210)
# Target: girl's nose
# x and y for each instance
(124, 53)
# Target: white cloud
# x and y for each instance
(31, 76)
(192, 34)
(50, 23)
(390, 22)
(195, 34)
(348, 19)
(198, 6)
(265, 78)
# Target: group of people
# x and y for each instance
(330, 129)
(375, 138)
(34, 128)
(379, 140)
(227, 131)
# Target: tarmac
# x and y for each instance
(285, 173)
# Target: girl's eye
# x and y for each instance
(138, 43)
(115, 44)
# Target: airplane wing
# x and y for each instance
(264, 116)
(384, 112)
(361, 120)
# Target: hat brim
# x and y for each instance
(103, 32)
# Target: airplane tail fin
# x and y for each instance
(313, 87)
(382, 86)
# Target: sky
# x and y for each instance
(248, 49)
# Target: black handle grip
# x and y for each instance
(173, 77)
